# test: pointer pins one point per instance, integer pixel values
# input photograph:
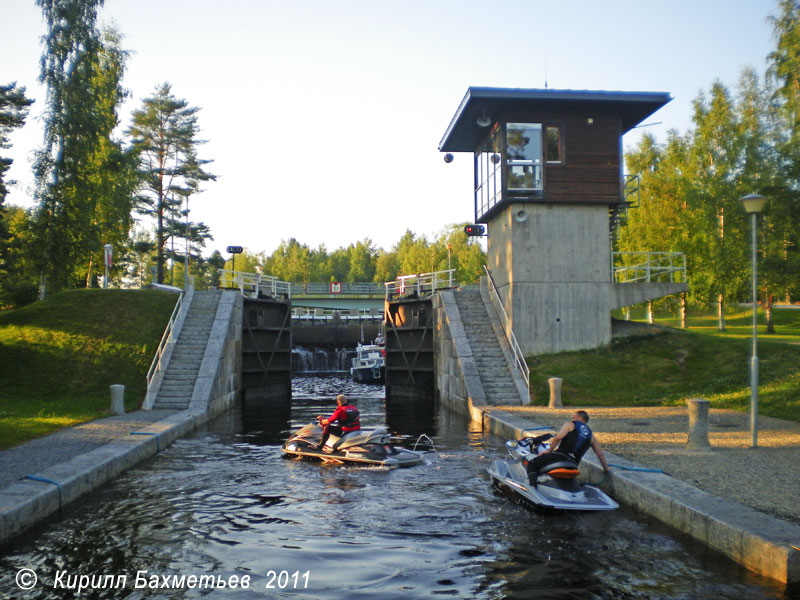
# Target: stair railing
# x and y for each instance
(155, 365)
(519, 358)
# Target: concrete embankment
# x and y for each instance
(750, 535)
(761, 542)
(42, 476)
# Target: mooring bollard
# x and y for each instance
(698, 424)
(118, 399)
(555, 392)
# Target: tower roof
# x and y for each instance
(464, 134)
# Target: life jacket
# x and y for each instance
(351, 420)
(576, 442)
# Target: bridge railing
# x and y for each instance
(421, 284)
(344, 288)
(253, 284)
(511, 339)
(332, 315)
(647, 267)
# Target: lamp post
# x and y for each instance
(754, 204)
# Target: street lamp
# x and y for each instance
(754, 204)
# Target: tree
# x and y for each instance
(17, 280)
(13, 111)
(783, 261)
(83, 177)
(361, 256)
(165, 133)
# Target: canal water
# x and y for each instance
(224, 502)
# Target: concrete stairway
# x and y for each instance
(177, 386)
(493, 369)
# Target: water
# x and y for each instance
(224, 502)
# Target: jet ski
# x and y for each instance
(365, 446)
(556, 485)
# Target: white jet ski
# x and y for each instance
(365, 446)
(556, 486)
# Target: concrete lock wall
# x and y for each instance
(551, 265)
(220, 376)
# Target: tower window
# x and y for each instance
(553, 154)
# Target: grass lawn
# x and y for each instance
(58, 357)
(667, 368)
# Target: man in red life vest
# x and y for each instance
(343, 420)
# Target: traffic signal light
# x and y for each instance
(473, 230)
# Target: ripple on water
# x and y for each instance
(225, 501)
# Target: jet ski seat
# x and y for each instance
(559, 469)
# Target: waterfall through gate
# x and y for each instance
(321, 360)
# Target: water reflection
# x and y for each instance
(224, 501)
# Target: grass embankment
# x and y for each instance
(58, 357)
(667, 368)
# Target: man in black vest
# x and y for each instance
(570, 443)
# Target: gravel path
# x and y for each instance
(766, 478)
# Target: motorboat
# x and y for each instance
(369, 363)
(365, 446)
(556, 486)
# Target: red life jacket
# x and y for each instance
(347, 417)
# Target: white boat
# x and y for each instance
(369, 363)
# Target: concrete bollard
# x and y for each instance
(555, 392)
(118, 399)
(698, 424)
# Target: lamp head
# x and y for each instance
(753, 203)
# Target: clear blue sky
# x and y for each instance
(323, 118)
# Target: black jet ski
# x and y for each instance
(365, 446)
(556, 485)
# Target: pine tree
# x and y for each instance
(13, 111)
(165, 132)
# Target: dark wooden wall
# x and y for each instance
(591, 171)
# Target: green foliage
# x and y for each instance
(668, 368)
(84, 178)
(690, 191)
(59, 356)
(165, 133)
(13, 111)
(362, 262)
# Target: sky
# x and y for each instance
(323, 118)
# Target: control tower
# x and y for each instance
(549, 185)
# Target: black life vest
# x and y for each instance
(351, 420)
(576, 442)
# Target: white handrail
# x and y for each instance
(649, 267)
(155, 365)
(254, 283)
(519, 357)
(420, 283)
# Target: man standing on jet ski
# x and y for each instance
(574, 439)
(343, 420)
